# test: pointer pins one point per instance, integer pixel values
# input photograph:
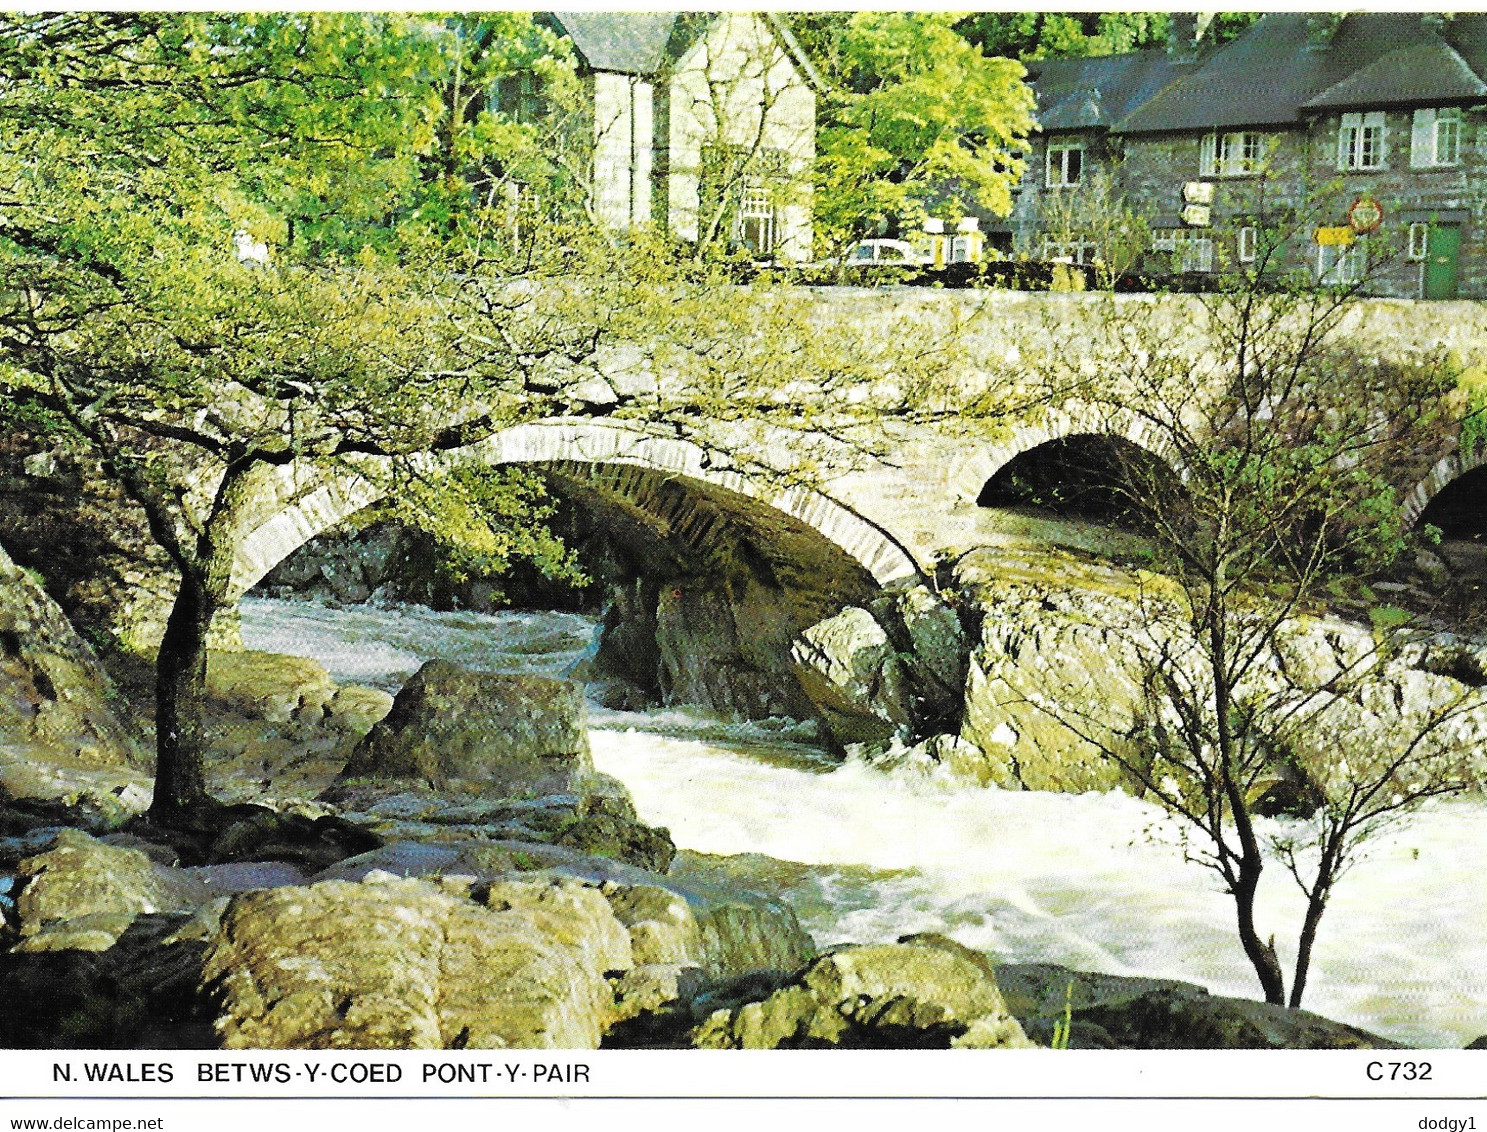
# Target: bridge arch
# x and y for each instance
(298, 505)
(980, 467)
(1445, 472)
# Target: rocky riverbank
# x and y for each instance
(446, 868)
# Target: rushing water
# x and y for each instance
(1092, 881)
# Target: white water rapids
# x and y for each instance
(1095, 882)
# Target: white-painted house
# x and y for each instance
(703, 123)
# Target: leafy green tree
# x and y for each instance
(387, 316)
(135, 146)
(914, 111)
(1053, 35)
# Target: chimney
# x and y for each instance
(1182, 37)
(1320, 28)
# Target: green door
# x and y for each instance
(1441, 261)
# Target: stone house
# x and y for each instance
(702, 124)
(1362, 136)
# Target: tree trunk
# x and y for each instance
(1314, 909)
(1261, 954)
(181, 796)
(1316, 904)
(1249, 859)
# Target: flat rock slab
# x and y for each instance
(392, 963)
(102, 794)
(1114, 1012)
(738, 932)
(81, 895)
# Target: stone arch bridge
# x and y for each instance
(892, 519)
(884, 523)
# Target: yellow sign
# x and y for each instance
(1343, 234)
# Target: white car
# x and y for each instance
(881, 253)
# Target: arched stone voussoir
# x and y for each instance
(971, 474)
(1446, 471)
(328, 498)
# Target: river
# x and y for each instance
(1093, 881)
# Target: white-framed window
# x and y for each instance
(754, 225)
(1065, 165)
(1236, 154)
(1195, 252)
(1435, 138)
(1075, 249)
(1339, 265)
(960, 249)
(1362, 141)
(1419, 240)
(1190, 251)
(1248, 243)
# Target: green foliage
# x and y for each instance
(1041, 35)
(485, 520)
(915, 113)
(1386, 618)
(1051, 35)
(1473, 384)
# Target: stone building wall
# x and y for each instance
(737, 88)
(1300, 183)
(1458, 192)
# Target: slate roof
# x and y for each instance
(628, 43)
(1273, 75)
(1422, 72)
(1076, 94)
(642, 43)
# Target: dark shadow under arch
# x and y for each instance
(1459, 510)
(1091, 476)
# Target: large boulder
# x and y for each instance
(852, 673)
(1052, 670)
(1064, 676)
(517, 736)
(59, 732)
(395, 963)
(81, 894)
(723, 645)
(269, 686)
(894, 668)
(920, 995)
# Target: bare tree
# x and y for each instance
(1096, 221)
(1284, 443)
